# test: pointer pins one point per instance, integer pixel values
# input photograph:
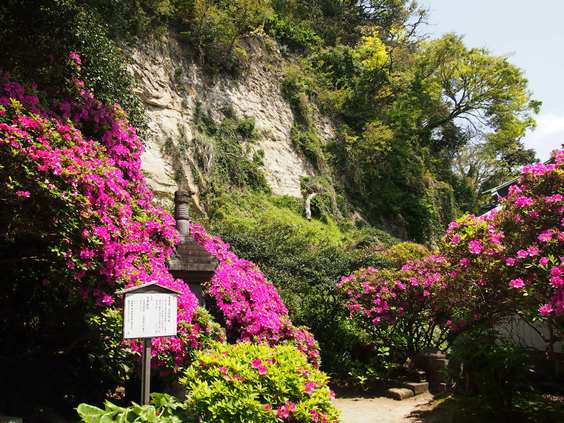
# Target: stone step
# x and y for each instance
(400, 393)
(417, 387)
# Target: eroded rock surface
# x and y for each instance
(172, 86)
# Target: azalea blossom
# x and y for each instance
(475, 246)
(545, 310)
(517, 283)
(309, 388)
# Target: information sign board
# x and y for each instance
(149, 315)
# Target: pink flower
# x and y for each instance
(309, 388)
(465, 262)
(556, 271)
(545, 236)
(23, 194)
(543, 261)
(475, 246)
(455, 239)
(514, 189)
(453, 225)
(523, 201)
(314, 415)
(256, 363)
(553, 198)
(510, 261)
(533, 250)
(87, 253)
(75, 57)
(522, 254)
(400, 285)
(517, 283)
(262, 370)
(557, 281)
(545, 309)
(496, 237)
(107, 300)
(283, 412)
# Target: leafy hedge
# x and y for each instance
(249, 382)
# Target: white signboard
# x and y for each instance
(149, 315)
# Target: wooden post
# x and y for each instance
(146, 372)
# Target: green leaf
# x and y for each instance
(89, 413)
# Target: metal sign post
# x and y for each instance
(149, 312)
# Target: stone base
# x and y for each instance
(417, 387)
(400, 393)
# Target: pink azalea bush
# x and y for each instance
(508, 261)
(250, 304)
(520, 266)
(401, 307)
(82, 157)
(258, 383)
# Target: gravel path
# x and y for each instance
(381, 409)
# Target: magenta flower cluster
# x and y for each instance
(249, 302)
(383, 296)
(86, 155)
(508, 260)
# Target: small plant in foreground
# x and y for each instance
(163, 409)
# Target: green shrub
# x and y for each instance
(233, 161)
(129, 18)
(255, 383)
(298, 87)
(492, 367)
(296, 35)
(216, 29)
(400, 253)
(52, 29)
(309, 143)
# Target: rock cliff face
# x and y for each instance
(172, 86)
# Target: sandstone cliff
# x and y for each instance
(172, 85)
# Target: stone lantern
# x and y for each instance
(191, 263)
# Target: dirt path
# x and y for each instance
(381, 409)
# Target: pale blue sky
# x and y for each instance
(531, 34)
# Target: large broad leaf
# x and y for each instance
(109, 417)
(89, 413)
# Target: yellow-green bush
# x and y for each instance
(257, 383)
(399, 254)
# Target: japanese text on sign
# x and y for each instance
(149, 315)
